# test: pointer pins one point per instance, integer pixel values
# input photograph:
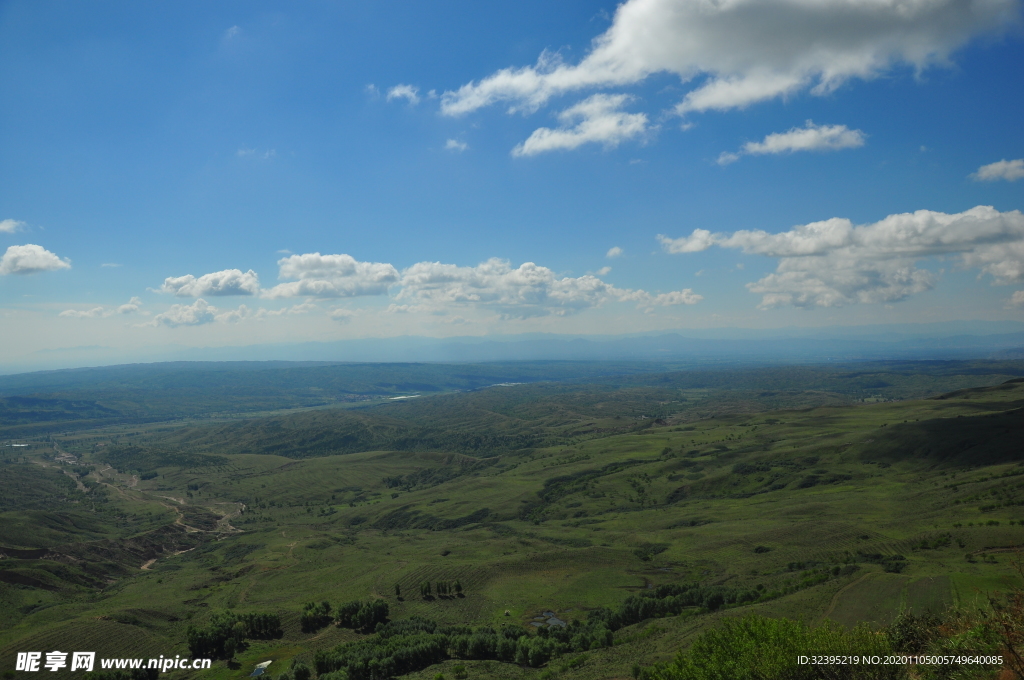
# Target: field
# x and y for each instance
(557, 497)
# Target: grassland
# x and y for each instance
(569, 499)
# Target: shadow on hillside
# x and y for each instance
(958, 441)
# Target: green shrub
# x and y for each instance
(758, 648)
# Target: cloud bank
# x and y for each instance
(834, 263)
(528, 290)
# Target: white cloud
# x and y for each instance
(528, 290)
(341, 315)
(407, 92)
(302, 308)
(225, 282)
(700, 239)
(30, 259)
(614, 251)
(94, 313)
(455, 145)
(603, 271)
(129, 307)
(749, 50)
(331, 276)
(727, 157)
(232, 315)
(256, 154)
(195, 314)
(811, 137)
(834, 263)
(676, 297)
(1017, 299)
(110, 264)
(1011, 171)
(232, 32)
(10, 226)
(595, 119)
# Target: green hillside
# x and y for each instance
(556, 499)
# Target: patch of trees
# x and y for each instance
(226, 633)
(442, 588)
(403, 518)
(427, 478)
(891, 563)
(646, 551)
(402, 647)
(751, 468)
(315, 615)
(131, 457)
(358, 615)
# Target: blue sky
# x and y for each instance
(217, 174)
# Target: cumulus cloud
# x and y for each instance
(833, 262)
(10, 226)
(744, 51)
(407, 92)
(30, 259)
(811, 137)
(129, 307)
(1011, 171)
(527, 290)
(1017, 299)
(455, 145)
(614, 251)
(331, 276)
(596, 119)
(196, 314)
(225, 282)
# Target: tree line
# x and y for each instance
(442, 588)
